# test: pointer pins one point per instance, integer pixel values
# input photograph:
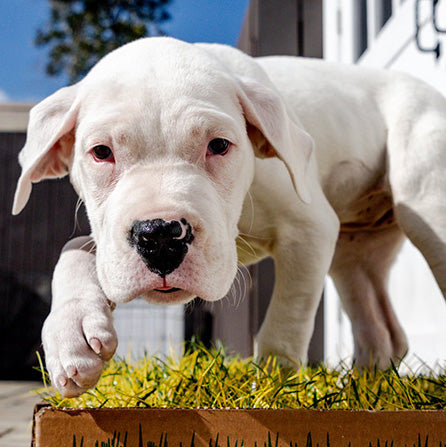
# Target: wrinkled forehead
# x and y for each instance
(158, 104)
(159, 113)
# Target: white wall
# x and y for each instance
(415, 295)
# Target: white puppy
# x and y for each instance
(191, 158)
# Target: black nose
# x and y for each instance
(162, 245)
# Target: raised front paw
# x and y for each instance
(78, 337)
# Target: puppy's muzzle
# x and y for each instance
(162, 245)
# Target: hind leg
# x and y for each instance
(360, 271)
(417, 174)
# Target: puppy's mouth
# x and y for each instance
(167, 295)
(167, 289)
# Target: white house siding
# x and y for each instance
(415, 295)
(148, 328)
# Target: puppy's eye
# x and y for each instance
(218, 146)
(102, 153)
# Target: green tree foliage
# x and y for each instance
(80, 32)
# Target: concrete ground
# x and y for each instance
(16, 411)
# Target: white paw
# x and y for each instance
(289, 355)
(78, 337)
(378, 345)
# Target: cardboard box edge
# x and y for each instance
(44, 410)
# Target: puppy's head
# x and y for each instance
(160, 140)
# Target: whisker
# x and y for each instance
(92, 244)
(76, 225)
(252, 250)
(251, 200)
(247, 280)
(239, 292)
(242, 291)
(230, 297)
(244, 270)
(253, 236)
(239, 289)
(231, 294)
(189, 307)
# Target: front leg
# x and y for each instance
(302, 253)
(78, 334)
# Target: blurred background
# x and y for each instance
(45, 45)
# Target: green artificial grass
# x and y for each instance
(211, 378)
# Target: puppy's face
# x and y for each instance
(155, 141)
(163, 171)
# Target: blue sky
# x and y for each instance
(22, 65)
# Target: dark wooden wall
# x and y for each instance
(30, 244)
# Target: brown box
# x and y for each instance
(175, 427)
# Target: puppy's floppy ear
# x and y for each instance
(274, 133)
(49, 143)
